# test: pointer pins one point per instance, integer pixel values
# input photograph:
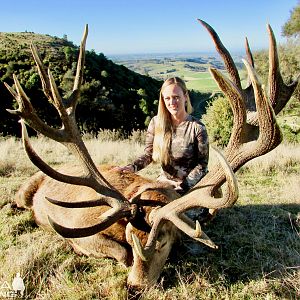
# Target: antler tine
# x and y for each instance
(79, 204)
(71, 102)
(228, 61)
(49, 86)
(237, 104)
(249, 53)
(42, 72)
(25, 107)
(107, 219)
(279, 92)
(248, 90)
(81, 60)
(147, 251)
(43, 166)
(57, 102)
(197, 234)
(269, 132)
(194, 231)
(13, 93)
(27, 112)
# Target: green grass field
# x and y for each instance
(259, 238)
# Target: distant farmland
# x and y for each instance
(194, 70)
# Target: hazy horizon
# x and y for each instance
(170, 55)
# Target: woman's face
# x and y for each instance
(174, 99)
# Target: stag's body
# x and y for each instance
(113, 242)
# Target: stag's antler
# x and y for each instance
(255, 132)
(69, 136)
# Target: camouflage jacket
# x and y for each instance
(189, 153)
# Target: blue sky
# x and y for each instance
(152, 26)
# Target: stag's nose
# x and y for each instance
(134, 292)
(136, 286)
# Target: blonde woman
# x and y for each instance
(175, 139)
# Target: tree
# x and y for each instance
(292, 27)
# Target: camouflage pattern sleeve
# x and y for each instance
(145, 159)
(200, 169)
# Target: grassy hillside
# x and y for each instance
(11, 42)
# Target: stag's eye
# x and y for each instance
(163, 244)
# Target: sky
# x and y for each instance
(152, 26)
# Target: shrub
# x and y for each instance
(219, 121)
(110, 135)
(138, 136)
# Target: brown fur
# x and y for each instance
(111, 242)
(24, 195)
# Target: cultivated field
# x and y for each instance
(259, 238)
(192, 68)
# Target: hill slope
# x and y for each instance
(110, 94)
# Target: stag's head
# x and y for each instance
(145, 271)
(151, 250)
(152, 234)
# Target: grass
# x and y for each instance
(258, 238)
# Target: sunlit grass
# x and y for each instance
(259, 238)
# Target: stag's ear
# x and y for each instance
(137, 247)
(132, 234)
(128, 233)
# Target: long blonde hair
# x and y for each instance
(163, 124)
